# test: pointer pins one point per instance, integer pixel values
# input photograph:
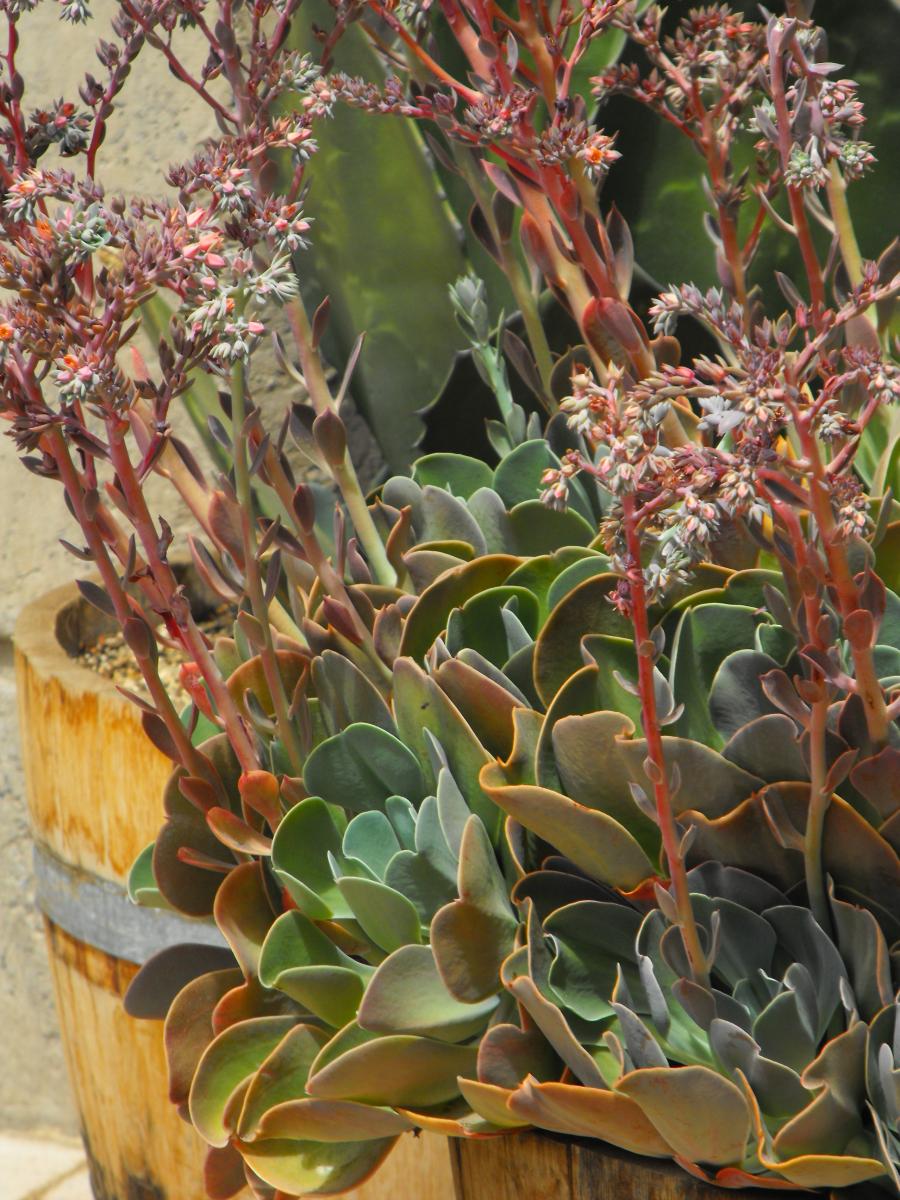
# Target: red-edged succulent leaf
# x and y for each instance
(224, 1072)
(244, 914)
(189, 1028)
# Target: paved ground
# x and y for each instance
(36, 1168)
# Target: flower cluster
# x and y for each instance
(573, 139)
(821, 121)
(388, 97)
(495, 118)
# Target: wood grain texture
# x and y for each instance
(418, 1168)
(94, 787)
(518, 1166)
(533, 1166)
(94, 781)
(137, 1145)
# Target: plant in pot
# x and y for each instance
(84, 740)
(519, 814)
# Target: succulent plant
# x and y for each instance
(457, 917)
(562, 791)
(765, 1074)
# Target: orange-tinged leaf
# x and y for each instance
(189, 1027)
(237, 834)
(589, 1112)
(486, 705)
(555, 1028)
(395, 1071)
(308, 1119)
(453, 1120)
(450, 590)
(736, 1177)
(244, 914)
(808, 1170)
(700, 1114)
(827, 1170)
(490, 1102)
(250, 677)
(596, 843)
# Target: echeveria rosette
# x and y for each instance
(780, 1073)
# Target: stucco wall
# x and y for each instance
(157, 122)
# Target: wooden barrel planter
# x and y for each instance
(94, 785)
(537, 1166)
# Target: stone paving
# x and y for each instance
(42, 1168)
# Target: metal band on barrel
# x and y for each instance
(99, 912)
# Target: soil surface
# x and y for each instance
(111, 658)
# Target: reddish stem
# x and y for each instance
(650, 722)
(795, 195)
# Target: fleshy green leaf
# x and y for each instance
(331, 1121)
(282, 1078)
(298, 959)
(304, 839)
(346, 696)
(457, 473)
(362, 167)
(407, 995)
(706, 636)
(420, 706)
(226, 1064)
(586, 609)
(595, 842)
(429, 615)
(385, 916)
(472, 936)
(142, 888)
(397, 1071)
(360, 767)
(313, 1168)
